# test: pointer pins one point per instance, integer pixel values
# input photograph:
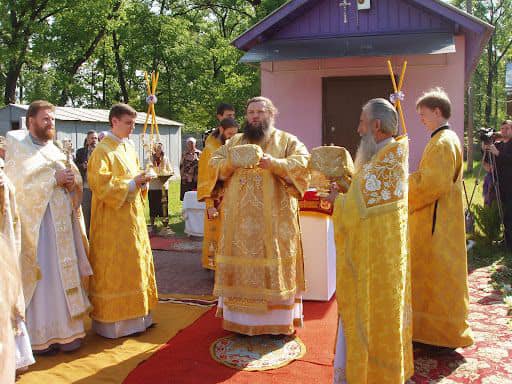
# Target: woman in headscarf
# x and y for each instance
(189, 167)
(162, 166)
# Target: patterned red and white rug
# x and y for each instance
(489, 360)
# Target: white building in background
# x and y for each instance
(74, 123)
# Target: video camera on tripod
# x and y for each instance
(488, 135)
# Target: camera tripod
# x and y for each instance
(490, 159)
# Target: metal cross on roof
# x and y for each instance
(345, 5)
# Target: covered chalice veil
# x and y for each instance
(330, 164)
(245, 155)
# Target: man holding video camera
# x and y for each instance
(499, 153)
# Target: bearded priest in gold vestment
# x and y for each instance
(123, 288)
(374, 342)
(440, 297)
(213, 198)
(260, 276)
(53, 242)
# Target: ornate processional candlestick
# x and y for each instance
(397, 97)
(67, 148)
(154, 139)
(149, 146)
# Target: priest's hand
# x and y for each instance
(265, 161)
(212, 213)
(65, 177)
(71, 185)
(334, 192)
(141, 180)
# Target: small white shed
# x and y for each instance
(75, 122)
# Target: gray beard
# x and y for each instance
(367, 148)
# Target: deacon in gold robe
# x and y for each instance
(212, 196)
(53, 242)
(440, 298)
(374, 342)
(260, 276)
(123, 288)
(10, 230)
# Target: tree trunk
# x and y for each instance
(470, 144)
(75, 66)
(490, 82)
(104, 80)
(13, 73)
(469, 128)
(93, 87)
(119, 66)
(11, 79)
(496, 101)
(64, 96)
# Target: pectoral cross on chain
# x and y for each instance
(345, 5)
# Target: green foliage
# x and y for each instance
(93, 53)
(489, 222)
(488, 82)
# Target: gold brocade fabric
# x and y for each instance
(259, 258)
(10, 229)
(10, 288)
(440, 296)
(245, 155)
(123, 285)
(329, 164)
(32, 169)
(373, 270)
(209, 191)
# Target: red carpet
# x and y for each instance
(160, 243)
(186, 357)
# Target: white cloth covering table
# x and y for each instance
(319, 255)
(193, 213)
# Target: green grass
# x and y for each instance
(176, 222)
(470, 178)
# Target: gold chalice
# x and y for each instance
(330, 164)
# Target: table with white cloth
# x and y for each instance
(319, 255)
(193, 213)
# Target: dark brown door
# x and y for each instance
(343, 98)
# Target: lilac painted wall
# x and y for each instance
(296, 89)
(326, 19)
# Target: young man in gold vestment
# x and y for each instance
(440, 298)
(123, 288)
(212, 198)
(374, 343)
(259, 276)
